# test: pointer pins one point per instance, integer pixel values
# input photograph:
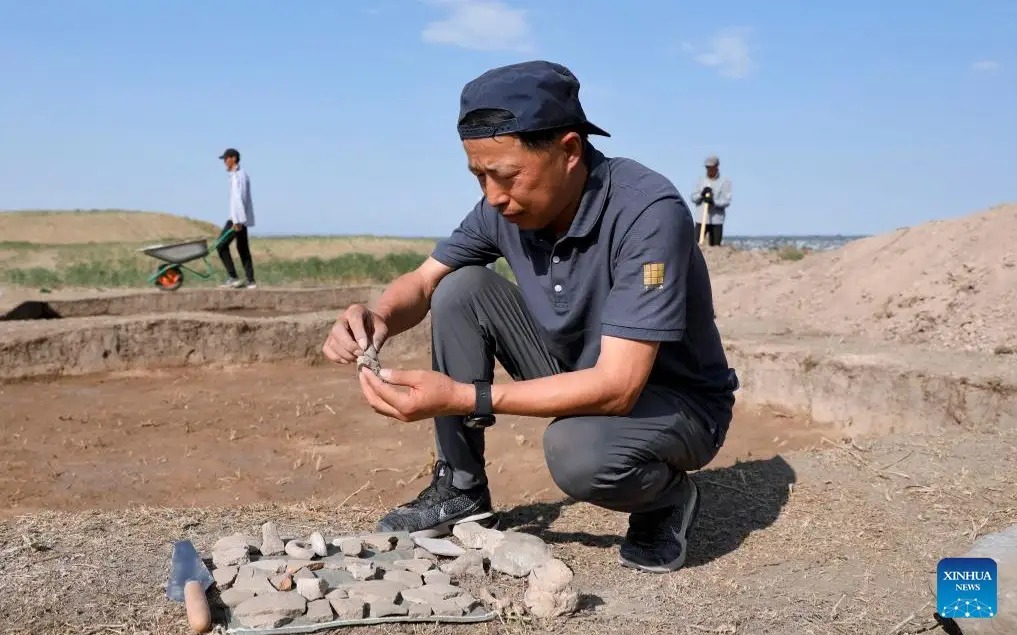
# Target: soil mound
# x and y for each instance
(950, 284)
(731, 260)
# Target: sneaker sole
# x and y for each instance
(679, 562)
(445, 529)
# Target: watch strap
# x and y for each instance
(483, 406)
(483, 409)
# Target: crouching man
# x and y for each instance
(609, 330)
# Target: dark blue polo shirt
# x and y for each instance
(628, 267)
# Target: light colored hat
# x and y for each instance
(712, 161)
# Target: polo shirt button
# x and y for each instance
(555, 259)
(557, 288)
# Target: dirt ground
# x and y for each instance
(277, 433)
(842, 541)
(801, 532)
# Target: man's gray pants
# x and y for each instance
(631, 463)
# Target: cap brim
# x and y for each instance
(597, 130)
(509, 127)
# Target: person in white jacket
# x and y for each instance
(714, 190)
(241, 219)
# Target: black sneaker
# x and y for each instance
(440, 506)
(656, 541)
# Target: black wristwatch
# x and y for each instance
(482, 415)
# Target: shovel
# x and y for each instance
(189, 579)
(702, 226)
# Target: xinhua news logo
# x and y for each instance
(966, 587)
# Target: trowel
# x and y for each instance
(188, 581)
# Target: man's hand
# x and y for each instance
(430, 394)
(707, 194)
(355, 330)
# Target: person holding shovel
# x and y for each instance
(714, 191)
(609, 332)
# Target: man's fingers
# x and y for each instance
(357, 320)
(374, 399)
(330, 351)
(342, 339)
(336, 354)
(391, 395)
(377, 403)
(337, 351)
(398, 377)
(380, 334)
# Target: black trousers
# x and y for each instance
(243, 250)
(628, 463)
(714, 233)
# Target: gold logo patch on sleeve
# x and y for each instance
(653, 274)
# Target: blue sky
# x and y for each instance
(826, 121)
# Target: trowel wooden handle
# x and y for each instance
(702, 228)
(196, 605)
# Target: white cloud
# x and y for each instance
(483, 25)
(728, 53)
(985, 66)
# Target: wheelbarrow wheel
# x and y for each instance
(170, 279)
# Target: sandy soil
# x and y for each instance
(797, 534)
(841, 541)
(282, 432)
(947, 284)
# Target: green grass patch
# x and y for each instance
(290, 261)
(134, 271)
(792, 253)
(355, 267)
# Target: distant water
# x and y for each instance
(814, 243)
(751, 243)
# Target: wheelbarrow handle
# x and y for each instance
(223, 237)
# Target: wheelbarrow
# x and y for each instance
(170, 275)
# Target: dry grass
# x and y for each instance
(23, 255)
(290, 261)
(277, 261)
(99, 249)
(292, 248)
(842, 541)
(96, 226)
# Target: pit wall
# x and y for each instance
(132, 343)
(134, 331)
(862, 391)
(283, 301)
(860, 388)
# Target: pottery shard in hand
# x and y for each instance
(369, 360)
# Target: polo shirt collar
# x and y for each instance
(595, 195)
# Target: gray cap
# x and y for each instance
(711, 161)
